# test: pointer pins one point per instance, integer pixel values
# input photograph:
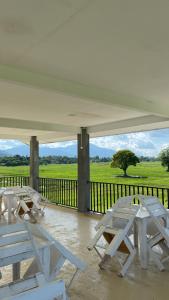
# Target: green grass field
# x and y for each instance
(156, 174)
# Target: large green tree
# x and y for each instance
(164, 157)
(123, 159)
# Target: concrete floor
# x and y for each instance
(74, 230)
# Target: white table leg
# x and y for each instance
(143, 247)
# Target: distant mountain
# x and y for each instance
(22, 150)
(3, 152)
(70, 151)
(100, 151)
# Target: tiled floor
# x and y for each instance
(74, 230)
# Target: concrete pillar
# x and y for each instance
(34, 163)
(83, 171)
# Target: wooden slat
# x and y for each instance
(15, 258)
(7, 229)
(13, 239)
(158, 213)
(15, 249)
(18, 257)
(17, 288)
(48, 291)
(129, 211)
(123, 215)
(150, 200)
(155, 205)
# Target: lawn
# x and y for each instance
(156, 174)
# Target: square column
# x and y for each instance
(83, 171)
(34, 163)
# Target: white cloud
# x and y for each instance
(147, 143)
(164, 146)
(59, 144)
(9, 144)
(141, 143)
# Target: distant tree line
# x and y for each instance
(100, 159)
(18, 160)
(15, 160)
(47, 160)
(148, 158)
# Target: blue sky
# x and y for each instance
(143, 143)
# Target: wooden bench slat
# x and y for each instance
(13, 239)
(12, 228)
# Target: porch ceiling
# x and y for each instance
(83, 63)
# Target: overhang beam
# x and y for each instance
(139, 121)
(34, 125)
(76, 89)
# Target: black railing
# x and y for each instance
(7, 181)
(59, 191)
(102, 194)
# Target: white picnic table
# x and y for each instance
(16, 198)
(10, 200)
(142, 220)
(22, 241)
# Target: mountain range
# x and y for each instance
(70, 151)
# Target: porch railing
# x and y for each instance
(59, 191)
(102, 194)
(9, 181)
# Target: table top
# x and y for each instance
(141, 214)
(15, 191)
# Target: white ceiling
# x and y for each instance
(66, 64)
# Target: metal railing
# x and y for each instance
(102, 194)
(9, 181)
(59, 191)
